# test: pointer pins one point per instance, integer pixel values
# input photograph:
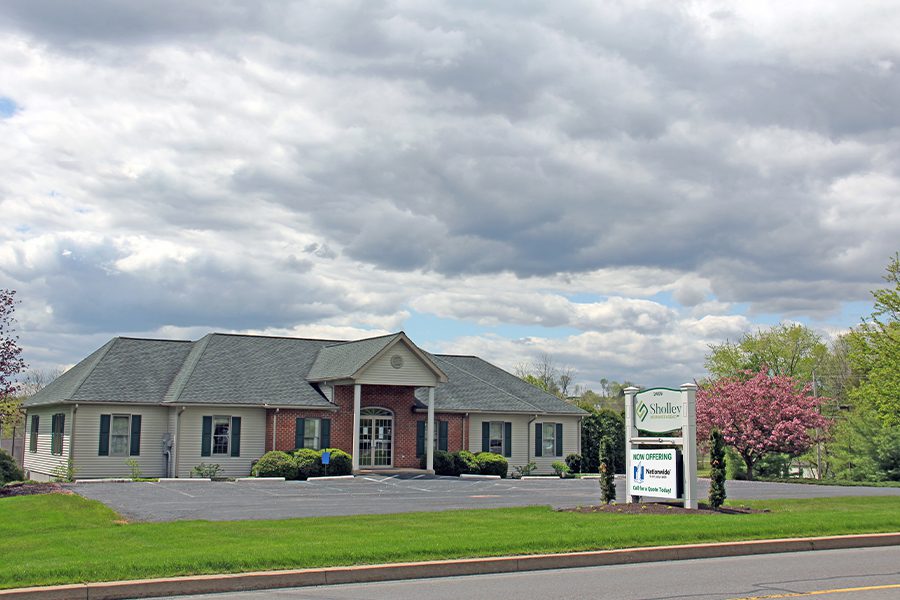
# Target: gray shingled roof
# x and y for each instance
(257, 370)
(242, 369)
(342, 360)
(123, 370)
(476, 385)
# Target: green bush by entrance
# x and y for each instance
(444, 463)
(341, 462)
(466, 462)
(492, 464)
(309, 462)
(275, 464)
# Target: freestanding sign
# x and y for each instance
(654, 473)
(661, 434)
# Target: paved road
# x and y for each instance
(779, 575)
(221, 501)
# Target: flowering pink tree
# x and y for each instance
(759, 414)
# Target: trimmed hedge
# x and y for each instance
(341, 462)
(466, 462)
(276, 464)
(492, 464)
(309, 463)
(9, 470)
(445, 463)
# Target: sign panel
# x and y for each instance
(653, 473)
(658, 410)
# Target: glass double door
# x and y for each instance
(376, 436)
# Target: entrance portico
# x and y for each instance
(380, 420)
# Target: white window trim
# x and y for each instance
(112, 419)
(317, 439)
(548, 426)
(502, 425)
(212, 441)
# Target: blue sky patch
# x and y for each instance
(7, 107)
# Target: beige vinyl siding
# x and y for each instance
(40, 465)
(90, 465)
(190, 437)
(523, 438)
(413, 371)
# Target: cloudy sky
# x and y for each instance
(618, 184)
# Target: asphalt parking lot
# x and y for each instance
(377, 494)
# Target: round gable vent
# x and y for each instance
(396, 361)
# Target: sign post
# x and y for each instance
(662, 465)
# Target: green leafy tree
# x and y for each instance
(606, 458)
(11, 362)
(787, 349)
(863, 448)
(593, 427)
(875, 351)
(717, 493)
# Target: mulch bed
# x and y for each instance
(661, 508)
(30, 489)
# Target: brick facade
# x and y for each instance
(398, 399)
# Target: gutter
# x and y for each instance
(72, 436)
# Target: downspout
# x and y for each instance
(175, 441)
(275, 427)
(528, 438)
(72, 437)
(465, 430)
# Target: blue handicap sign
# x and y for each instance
(326, 458)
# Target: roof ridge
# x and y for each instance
(109, 346)
(524, 401)
(279, 337)
(368, 339)
(144, 339)
(190, 363)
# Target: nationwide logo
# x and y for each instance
(642, 410)
(638, 475)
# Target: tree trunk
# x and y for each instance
(749, 463)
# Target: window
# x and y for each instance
(548, 439)
(221, 434)
(57, 427)
(33, 437)
(118, 435)
(496, 439)
(312, 434)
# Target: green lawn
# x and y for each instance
(65, 539)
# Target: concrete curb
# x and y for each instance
(474, 476)
(330, 477)
(206, 584)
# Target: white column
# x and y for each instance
(689, 449)
(429, 433)
(357, 402)
(630, 432)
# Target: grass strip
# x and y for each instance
(839, 482)
(55, 539)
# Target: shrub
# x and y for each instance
(135, 468)
(606, 459)
(275, 464)
(594, 426)
(717, 469)
(466, 462)
(491, 464)
(309, 463)
(9, 470)
(574, 462)
(204, 470)
(520, 471)
(64, 473)
(341, 462)
(444, 463)
(560, 468)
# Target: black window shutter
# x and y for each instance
(103, 448)
(54, 434)
(559, 447)
(507, 439)
(33, 440)
(442, 435)
(235, 436)
(206, 440)
(486, 436)
(538, 439)
(299, 429)
(326, 433)
(420, 438)
(62, 431)
(135, 435)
